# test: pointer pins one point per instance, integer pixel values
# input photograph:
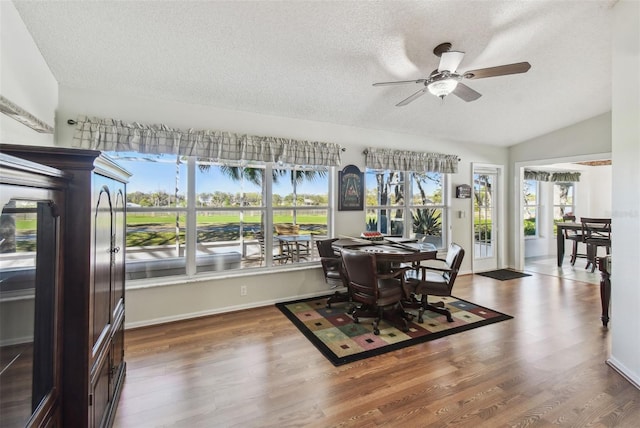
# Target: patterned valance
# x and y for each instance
(536, 175)
(400, 160)
(567, 176)
(115, 135)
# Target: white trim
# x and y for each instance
(623, 371)
(499, 210)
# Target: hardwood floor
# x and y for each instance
(253, 368)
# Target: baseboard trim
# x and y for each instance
(623, 371)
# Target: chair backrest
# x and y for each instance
(361, 270)
(596, 228)
(287, 229)
(455, 254)
(571, 233)
(325, 247)
(260, 237)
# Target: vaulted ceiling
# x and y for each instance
(317, 60)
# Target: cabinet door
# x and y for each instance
(119, 246)
(103, 254)
(117, 360)
(100, 394)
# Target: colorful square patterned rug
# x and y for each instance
(342, 341)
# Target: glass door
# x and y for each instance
(28, 255)
(485, 218)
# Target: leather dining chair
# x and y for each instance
(435, 281)
(379, 295)
(597, 234)
(334, 272)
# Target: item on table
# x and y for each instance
(372, 236)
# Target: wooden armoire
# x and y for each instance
(93, 265)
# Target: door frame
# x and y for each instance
(500, 213)
(517, 205)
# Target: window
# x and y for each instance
(408, 204)
(563, 203)
(188, 215)
(530, 195)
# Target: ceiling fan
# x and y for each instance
(447, 80)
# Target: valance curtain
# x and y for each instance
(401, 160)
(536, 175)
(554, 177)
(115, 135)
(565, 176)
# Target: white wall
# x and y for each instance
(25, 80)
(596, 191)
(589, 137)
(625, 295)
(171, 302)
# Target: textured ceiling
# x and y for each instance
(317, 60)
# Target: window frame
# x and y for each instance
(536, 208)
(191, 211)
(408, 206)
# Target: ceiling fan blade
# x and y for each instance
(465, 93)
(450, 61)
(501, 70)
(412, 97)
(399, 82)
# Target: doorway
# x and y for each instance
(538, 253)
(486, 219)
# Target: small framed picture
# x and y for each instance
(351, 189)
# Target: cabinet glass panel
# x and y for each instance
(27, 296)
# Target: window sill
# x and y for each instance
(139, 284)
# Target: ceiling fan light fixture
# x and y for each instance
(442, 88)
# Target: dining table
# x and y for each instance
(390, 250)
(561, 227)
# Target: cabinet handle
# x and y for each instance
(115, 250)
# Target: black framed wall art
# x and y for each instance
(351, 189)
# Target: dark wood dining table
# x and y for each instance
(561, 227)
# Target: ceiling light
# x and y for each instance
(442, 88)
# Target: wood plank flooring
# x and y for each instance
(253, 368)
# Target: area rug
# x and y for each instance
(342, 341)
(504, 274)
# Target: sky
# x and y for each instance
(152, 173)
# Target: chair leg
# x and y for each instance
(574, 253)
(397, 317)
(338, 297)
(590, 257)
(426, 306)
